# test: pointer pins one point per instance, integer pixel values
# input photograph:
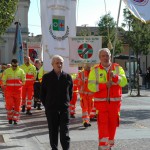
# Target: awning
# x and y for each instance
(124, 57)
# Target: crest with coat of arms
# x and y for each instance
(58, 24)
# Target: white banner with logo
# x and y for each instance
(139, 8)
(58, 21)
(84, 49)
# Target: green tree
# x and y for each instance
(138, 38)
(107, 29)
(7, 13)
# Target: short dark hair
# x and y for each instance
(15, 61)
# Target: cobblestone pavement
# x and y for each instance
(31, 133)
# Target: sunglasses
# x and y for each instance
(14, 65)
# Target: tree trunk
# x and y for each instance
(137, 75)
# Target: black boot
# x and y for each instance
(28, 112)
(39, 107)
(23, 108)
(10, 121)
(15, 122)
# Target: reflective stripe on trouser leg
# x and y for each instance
(10, 114)
(85, 117)
(24, 94)
(93, 112)
(102, 120)
(104, 144)
(29, 103)
(113, 120)
(16, 116)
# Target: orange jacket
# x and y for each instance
(98, 78)
(83, 82)
(30, 72)
(75, 82)
(13, 79)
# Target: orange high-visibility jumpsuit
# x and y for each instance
(108, 112)
(13, 81)
(27, 91)
(85, 95)
(75, 95)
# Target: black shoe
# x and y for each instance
(85, 124)
(23, 108)
(15, 122)
(39, 107)
(10, 121)
(28, 112)
(72, 116)
(89, 124)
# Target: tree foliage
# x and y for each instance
(138, 38)
(7, 13)
(107, 29)
(138, 35)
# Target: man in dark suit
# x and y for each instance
(56, 93)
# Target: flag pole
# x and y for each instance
(113, 52)
(15, 40)
(116, 32)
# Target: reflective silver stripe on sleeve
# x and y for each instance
(97, 79)
(13, 84)
(29, 79)
(117, 70)
(117, 73)
(105, 99)
(13, 78)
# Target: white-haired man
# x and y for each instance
(107, 80)
(56, 93)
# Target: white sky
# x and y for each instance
(88, 12)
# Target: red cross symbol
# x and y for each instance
(61, 25)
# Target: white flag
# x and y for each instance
(58, 21)
(139, 8)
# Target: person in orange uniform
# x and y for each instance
(86, 96)
(106, 81)
(13, 80)
(27, 91)
(74, 97)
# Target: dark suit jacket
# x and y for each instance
(56, 93)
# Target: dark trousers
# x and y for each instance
(37, 86)
(58, 121)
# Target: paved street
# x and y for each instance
(31, 132)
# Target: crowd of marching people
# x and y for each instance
(20, 86)
(98, 87)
